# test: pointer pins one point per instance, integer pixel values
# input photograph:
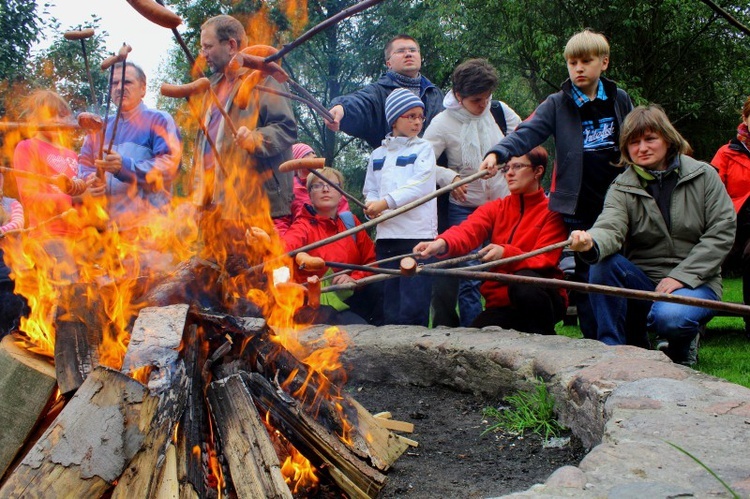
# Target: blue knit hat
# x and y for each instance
(398, 102)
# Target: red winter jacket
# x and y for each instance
(733, 162)
(519, 223)
(308, 228)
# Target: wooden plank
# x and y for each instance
(395, 425)
(78, 332)
(324, 449)
(169, 486)
(245, 444)
(157, 335)
(27, 385)
(384, 447)
(91, 441)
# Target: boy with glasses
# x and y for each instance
(360, 114)
(400, 171)
(585, 118)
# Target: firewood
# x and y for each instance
(27, 385)
(383, 415)
(384, 447)
(324, 449)
(169, 487)
(192, 431)
(154, 342)
(78, 333)
(253, 463)
(91, 441)
(157, 333)
(395, 425)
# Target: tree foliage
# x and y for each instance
(20, 26)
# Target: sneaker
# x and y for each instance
(662, 346)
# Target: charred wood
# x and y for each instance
(253, 463)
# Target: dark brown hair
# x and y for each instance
(473, 77)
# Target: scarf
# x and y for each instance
(478, 133)
(412, 84)
(743, 135)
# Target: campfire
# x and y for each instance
(131, 380)
(165, 360)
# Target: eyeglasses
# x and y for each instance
(319, 186)
(515, 167)
(406, 50)
(413, 117)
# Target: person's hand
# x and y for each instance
(112, 163)
(668, 285)
(426, 249)
(581, 240)
(459, 193)
(95, 186)
(375, 208)
(342, 279)
(249, 140)
(490, 164)
(338, 114)
(491, 252)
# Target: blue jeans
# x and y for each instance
(406, 300)
(620, 320)
(469, 297)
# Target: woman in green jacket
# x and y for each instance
(667, 226)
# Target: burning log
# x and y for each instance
(344, 415)
(79, 327)
(27, 385)
(314, 441)
(245, 443)
(90, 443)
(192, 429)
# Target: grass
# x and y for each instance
(529, 411)
(724, 350)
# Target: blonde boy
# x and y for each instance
(584, 118)
(400, 171)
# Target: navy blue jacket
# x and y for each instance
(558, 116)
(364, 110)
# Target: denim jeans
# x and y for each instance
(617, 316)
(406, 300)
(469, 297)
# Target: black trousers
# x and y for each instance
(532, 309)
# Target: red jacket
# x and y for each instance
(733, 162)
(519, 223)
(308, 228)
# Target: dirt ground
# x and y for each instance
(453, 459)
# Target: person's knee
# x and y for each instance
(670, 320)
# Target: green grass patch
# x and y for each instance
(724, 350)
(529, 411)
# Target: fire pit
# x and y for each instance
(626, 403)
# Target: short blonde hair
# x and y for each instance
(586, 42)
(327, 172)
(45, 105)
(645, 119)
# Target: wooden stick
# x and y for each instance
(34, 176)
(382, 218)
(118, 115)
(59, 216)
(338, 189)
(348, 12)
(315, 106)
(591, 288)
(373, 264)
(521, 257)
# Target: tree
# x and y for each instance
(20, 26)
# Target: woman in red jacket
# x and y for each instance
(733, 162)
(513, 225)
(320, 220)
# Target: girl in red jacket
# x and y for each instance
(319, 220)
(513, 225)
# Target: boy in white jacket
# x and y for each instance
(400, 171)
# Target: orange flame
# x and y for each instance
(298, 471)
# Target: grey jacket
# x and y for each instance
(702, 232)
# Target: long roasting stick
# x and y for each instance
(382, 218)
(591, 288)
(348, 12)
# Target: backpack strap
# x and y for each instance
(496, 108)
(348, 218)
